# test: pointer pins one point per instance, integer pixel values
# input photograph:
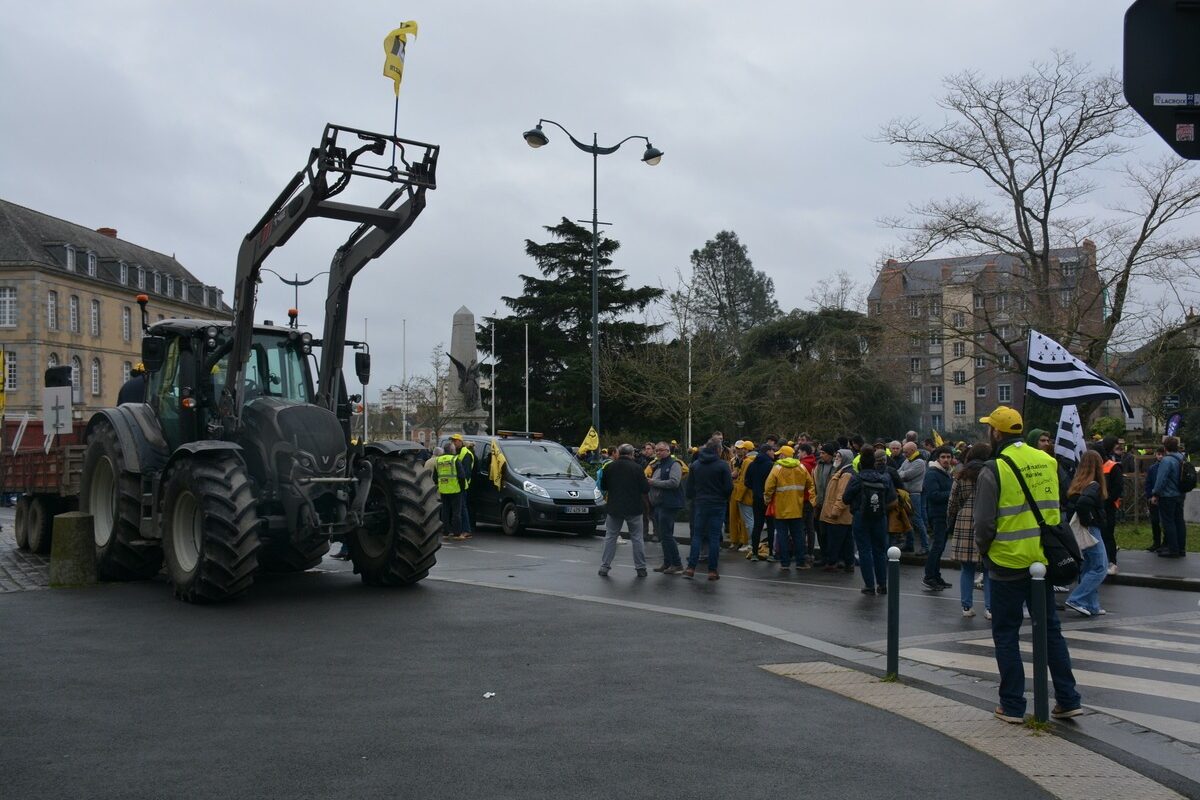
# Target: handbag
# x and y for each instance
(1063, 556)
(1083, 537)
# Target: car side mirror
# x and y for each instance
(154, 352)
(362, 367)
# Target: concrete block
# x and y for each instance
(73, 551)
(1191, 507)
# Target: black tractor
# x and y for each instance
(241, 459)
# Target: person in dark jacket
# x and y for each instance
(709, 486)
(1169, 497)
(935, 493)
(1115, 480)
(627, 489)
(756, 481)
(134, 389)
(1086, 495)
(666, 498)
(1152, 509)
(869, 494)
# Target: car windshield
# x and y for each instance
(541, 460)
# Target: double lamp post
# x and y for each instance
(535, 138)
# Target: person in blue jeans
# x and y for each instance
(1086, 496)
(912, 472)
(936, 496)
(709, 485)
(960, 523)
(869, 494)
(1168, 499)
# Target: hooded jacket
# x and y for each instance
(711, 482)
(741, 492)
(936, 493)
(835, 511)
(821, 479)
(874, 476)
(757, 472)
(790, 485)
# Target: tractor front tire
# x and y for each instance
(21, 523)
(210, 539)
(399, 541)
(113, 497)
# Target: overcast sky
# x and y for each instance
(178, 122)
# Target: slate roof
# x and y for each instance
(29, 237)
(926, 276)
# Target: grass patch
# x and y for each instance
(1138, 537)
(890, 678)
(1036, 728)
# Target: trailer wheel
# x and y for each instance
(288, 556)
(210, 539)
(21, 523)
(39, 523)
(113, 497)
(398, 544)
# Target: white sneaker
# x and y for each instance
(1102, 612)
(1112, 569)
(968, 612)
(744, 548)
(987, 614)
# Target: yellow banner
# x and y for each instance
(393, 48)
(591, 442)
(937, 439)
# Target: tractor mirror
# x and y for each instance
(154, 352)
(362, 367)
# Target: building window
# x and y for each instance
(124, 270)
(157, 282)
(91, 265)
(1069, 268)
(8, 306)
(981, 391)
(141, 277)
(960, 349)
(10, 371)
(980, 362)
(52, 361)
(126, 372)
(170, 286)
(935, 366)
(960, 408)
(1004, 393)
(1064, 297)
(960, 378)
(935, 421)
(914, 365)
(52, 310)
(935, 338)
(204, 298)
(183, 291)
(73, 313)
(915, 395)
(935, 395)
(1005, 361)
(1004, 333)
(95, 376)
(70, 259)
(76, 376)
(914, 308)
(876, 305)
(95, 318)
(1001, 302)
(916, 341)
(980, 303)
(935, 307)
(126, 324)
(958, 320)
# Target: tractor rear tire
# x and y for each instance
(398, 544)
(39, 523)
(113, 496)
(21, 523)
(281, 556)
(210, 523)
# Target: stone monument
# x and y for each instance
(464, 406)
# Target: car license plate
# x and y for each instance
(576, 509)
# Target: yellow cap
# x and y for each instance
(456, 438)
(139, 367)
(1004, 420)
(786, 452)
(747, 444)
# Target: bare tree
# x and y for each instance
(428, 394)
(838, 292)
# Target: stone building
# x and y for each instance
(953, 325)
(68, 297)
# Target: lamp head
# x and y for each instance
(536, 138)
(652, 155)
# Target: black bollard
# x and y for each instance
(1037, 610)
(893, 636)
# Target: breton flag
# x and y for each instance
(1061, 379)
(1069, 443)
(393, 48)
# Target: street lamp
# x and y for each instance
(536, 138)
(296, 283)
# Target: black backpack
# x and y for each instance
(1187, 476)
(872, 500)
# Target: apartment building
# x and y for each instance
(67, 297)
(954, 326)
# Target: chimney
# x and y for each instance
(109, 232)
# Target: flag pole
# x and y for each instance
(1025, 395)
(395, 127)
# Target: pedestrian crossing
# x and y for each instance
(1144, 671)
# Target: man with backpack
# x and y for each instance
(1175, 478)
(869, 494)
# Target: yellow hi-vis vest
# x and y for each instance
(1018, 540)
(463, 455)
(447, 474)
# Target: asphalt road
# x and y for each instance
(316, 686)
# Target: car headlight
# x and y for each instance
(533, 488)
(598, 495)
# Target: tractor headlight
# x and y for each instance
(533, 488)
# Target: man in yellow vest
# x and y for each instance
(451, 486)
(466, 457)
(1009, 538)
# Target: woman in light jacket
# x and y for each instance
(837, 516)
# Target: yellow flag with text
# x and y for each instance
(393, 48)
(496, 468)
(591, 442)
(937, 439)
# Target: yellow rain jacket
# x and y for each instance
(790, 486)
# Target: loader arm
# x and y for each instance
(309, 194)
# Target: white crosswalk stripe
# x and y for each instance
(1123, 659)
(1132, 641)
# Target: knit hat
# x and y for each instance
(830, 448)
(1034, 434)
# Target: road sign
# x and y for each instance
(1162, 71)
(56, 410)
(1171, 402)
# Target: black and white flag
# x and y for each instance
(1069, 442)
(1060, 378)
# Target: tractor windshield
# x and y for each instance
(276, 368)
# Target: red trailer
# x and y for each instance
(47, 480)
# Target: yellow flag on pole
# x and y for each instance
(591, 442)
(937, 439)
(393, 48)
(496, 468)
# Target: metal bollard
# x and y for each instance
(893, 636)
(1037, 610)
